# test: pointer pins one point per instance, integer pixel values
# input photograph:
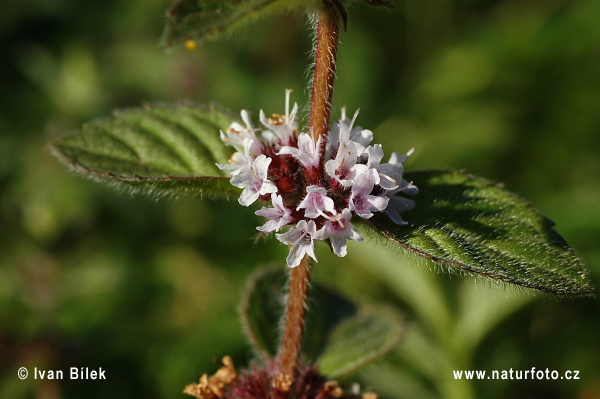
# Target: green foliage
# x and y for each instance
(261, 309)
(158, 149)
(465, 222)
(341, 336)
(459, 221)
(359, 340)
(205, 19)
(453, 318)
(505, 89)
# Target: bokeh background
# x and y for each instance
(148, 290)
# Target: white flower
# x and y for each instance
(344, 167)
(399, 204)
(240, 162)
(338, 229)
(300, 239)
(388, 174)
(397, 158)
(316, 203)
(307, 152)
(353, 180)
(344, 131)
(283, 126)
(396, 206)
(254, 182)
(361, 200)
(242, 138)
(277, 216)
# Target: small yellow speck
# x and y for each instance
(190, 45)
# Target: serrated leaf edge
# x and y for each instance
(445, 264)
(121, 181)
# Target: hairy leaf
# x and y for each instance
(157, 149)
(359, 340)
(467, 223)
(198, 20)
(340, 336)
(262, 309)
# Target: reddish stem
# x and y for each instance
(328, 26)
(294, 319)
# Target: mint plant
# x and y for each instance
(320, 182)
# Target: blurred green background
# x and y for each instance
(148, 290)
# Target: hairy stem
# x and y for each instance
(328, 26)
(294, 319)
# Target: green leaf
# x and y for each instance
(262, 309)
(359, 340)
(198, 20)
(157, 149)
(340, 336)
(462, 222)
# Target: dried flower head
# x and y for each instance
(264, 382)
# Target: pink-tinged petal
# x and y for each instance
(307, 152)
(377, 202)
(390, 175)
(361, 201)
(278, 216)
(238, 135)
(345, 127)
(268, 187)
(239, 163)
(397, 158)
(300, 239)
(361, 136)
(375, 154)
(398, 205)
(295, 152)
(344, 168)
(254, 182)
(316, 202)
(405, 187)
(260, 166)
(330, 167)
(344, 131)
(294, 257)
(248, 197)
(269, 226)
(338, 229)
(340, 248)
(310, 251)
(240, 180)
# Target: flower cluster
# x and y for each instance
(314, 188)
(265, 382)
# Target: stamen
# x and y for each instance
(325, 216)
(354, 118)
(277, 120)
(287, 104)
